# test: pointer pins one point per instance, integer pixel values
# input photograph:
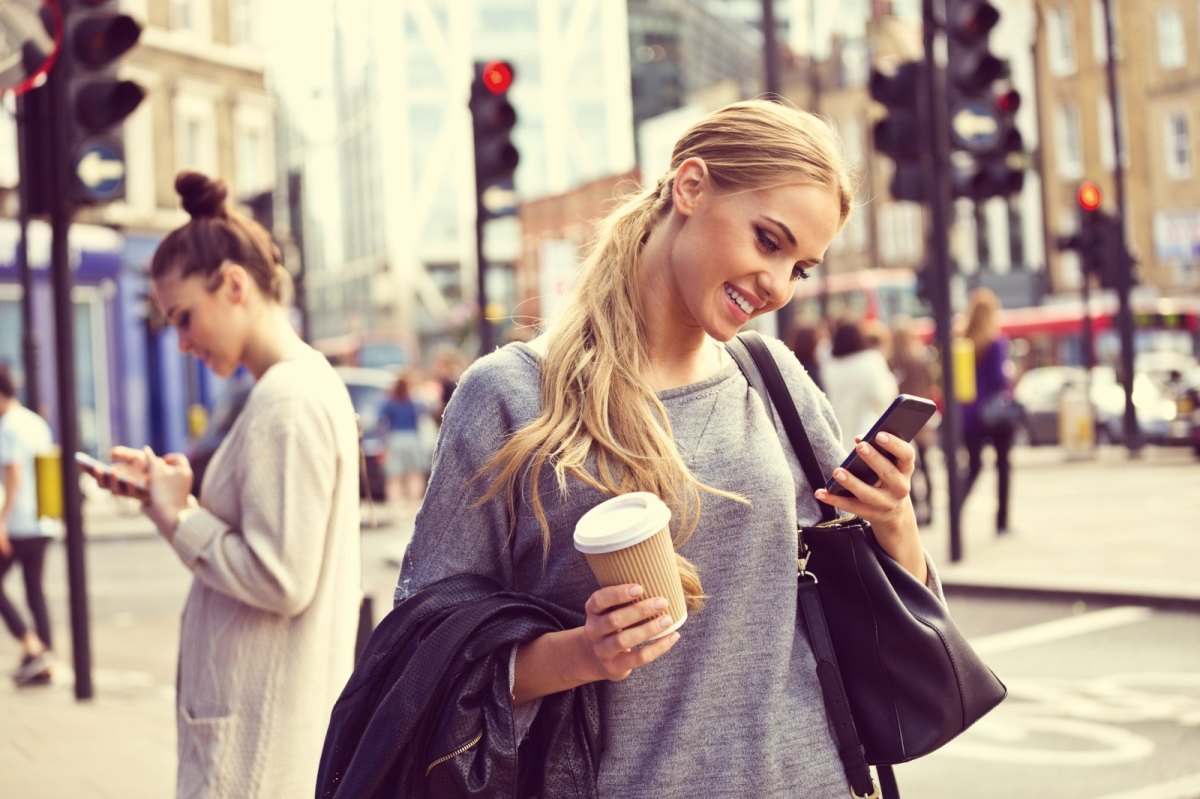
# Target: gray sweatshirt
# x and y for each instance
(734, 709)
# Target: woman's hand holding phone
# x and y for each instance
(886, 504)
(126, 477)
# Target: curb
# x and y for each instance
(1158, 601)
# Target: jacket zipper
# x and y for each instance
(460, 750)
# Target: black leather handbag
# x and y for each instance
(898, 678)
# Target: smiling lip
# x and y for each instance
(749, 296)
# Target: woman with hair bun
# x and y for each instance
(268, 629)
(631, 388)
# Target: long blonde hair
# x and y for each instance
(983, 325)
(595, 400)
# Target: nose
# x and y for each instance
(775, 288)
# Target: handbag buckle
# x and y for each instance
(874, 794)
(803, 553)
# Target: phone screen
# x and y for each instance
(98, 468)
(903, 418)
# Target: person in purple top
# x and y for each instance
(992, 417)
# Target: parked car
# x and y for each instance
(368, 390)
(1040, 391)
(1187, 403)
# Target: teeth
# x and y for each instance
(741, 301)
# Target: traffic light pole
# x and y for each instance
(29, 343)
(64, 348)
(1133, 437)
(487, 335)
(939, 194)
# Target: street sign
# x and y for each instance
(975, 127)
(31, 32)
(100, 169)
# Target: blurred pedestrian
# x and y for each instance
(993, 417)
(268, 631)
(23, 436)
(400, 422)
(448, 366)
(912, 364)
(632, 389)
(858, 382)
(805, 341)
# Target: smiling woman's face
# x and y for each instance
(738, 256)
(207, 322)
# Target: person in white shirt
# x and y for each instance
(857, 380)
(23, 435)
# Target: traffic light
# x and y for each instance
(900, 134)
(92, 102)
(971, 68)
(1098, 241)
(493, 118)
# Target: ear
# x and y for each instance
(235, 282)
(690, 184)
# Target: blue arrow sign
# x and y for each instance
(975, 126)
(100, 169)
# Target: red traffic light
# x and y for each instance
(1008, 102)
(497, 76)
(1089, 196)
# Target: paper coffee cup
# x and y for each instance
(627, 539)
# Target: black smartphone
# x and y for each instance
(100, 468)
(903, 418)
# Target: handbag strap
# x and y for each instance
(757, 363)
(768, 376)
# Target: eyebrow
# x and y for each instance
(788, 232)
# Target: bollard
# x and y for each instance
(48, 473)
(1076, 423)
(964, 370)
(197, 420)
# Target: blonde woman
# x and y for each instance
(633, 389)
(992, 417)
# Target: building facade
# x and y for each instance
(206, 108)
(402, 77)
(1158, 85)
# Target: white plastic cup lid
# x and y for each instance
(621, 522)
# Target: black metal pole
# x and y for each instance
(1089, 339)
(29, 343)
(983, 248)
(770, 49)
(1133, 436)
(487, 337)
(937, 166)
(64, 349)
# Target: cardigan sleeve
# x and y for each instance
(271, 558)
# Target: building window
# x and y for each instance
(1179, 147)
(193, 17)
(243, 32)
(1060, 40)
(1104, 118)
(253, 152)
(195, 134)
(139, 160)
(1099, 35)
(1067, 142)
(1170, 44)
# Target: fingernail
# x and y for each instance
(660, 603)
(664, 621)
(840, 476)
(635, 590)
(863, 448)
(674, 637)
(883, 438)
(822, 493)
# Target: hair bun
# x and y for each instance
(201, 196)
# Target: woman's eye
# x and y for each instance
(765, 242)
(799, 272)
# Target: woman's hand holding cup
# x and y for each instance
(618, 620)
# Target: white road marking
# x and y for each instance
(1059, 629)
(1185, 788)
